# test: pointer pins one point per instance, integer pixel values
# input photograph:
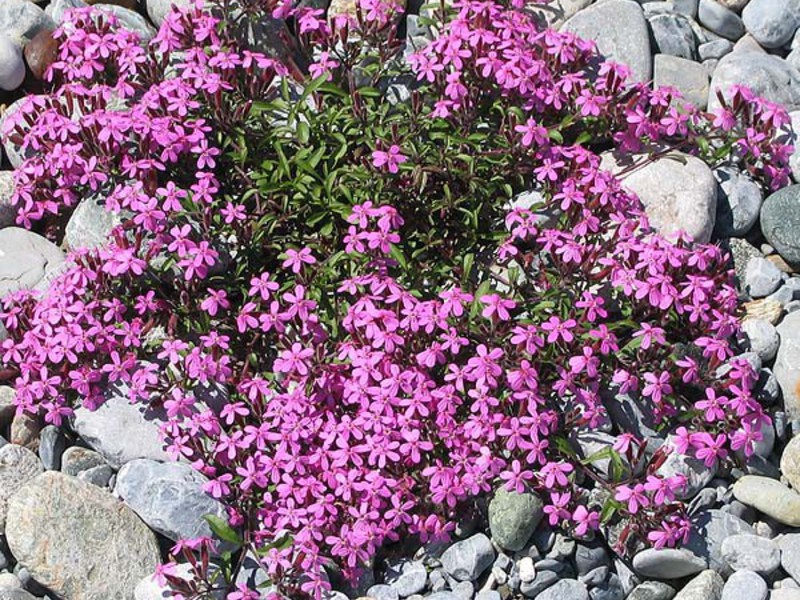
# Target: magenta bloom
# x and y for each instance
(391, 159)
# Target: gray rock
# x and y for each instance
(747, 552)
(696, 472)
(8, 212)
(565, 589)
(762, 277)
(678, 191)
(590, 556)
(488, 595)
(709, 530)
(542, 581)
(687, 76)
(467, 559)
(780, 222)
(790, 462)
(620, 30)
(714, 49)
(57, 8)
(90, 224)
(686, 7)
(668, 563)
(786, 592)
(76, 459)
(18, 465)
(121, 431)
(706, 586)
(513, 518)
(610, 590)
(772, 23)
(770, 497)
(130, 20)
(99, 476)
(78, 540)
(739, 200)
(763, 337)
(18, 594)
(652, 590)
(27, 260)
(408, 577)
(158, 9)
(673, 35)
(745, 585)
(442, 596)
(383, 592)
(787, 364)
(168, 497)
(768, 76)
(149, 589)
(52, 443)
(14, 152)
(790, 554)
(553, 14)
(12, 66)
(21, 20)
(594, 577)
(720, 20)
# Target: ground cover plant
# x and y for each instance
(340, 236)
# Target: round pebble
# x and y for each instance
(12, 66)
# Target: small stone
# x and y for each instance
(770, 497)
(689, 77)
(763, 309)
(149, 589)
(610, 590)
(772, 23)
(589, 556)
(565, 589)
(780, 222)
(553, 14)
(790, 462)
(652, 590)
(467, 559)
(408, 577)
(667, 563)
(620, 31)
(9, 581)
(90, 224)
(12, 67)
(77, 459)
(542, 581)
(464, 590)
(739, 201)
(383, 592)
(706, 586)
(513, 518)
(714, 49)
(751, 553)
(21, 20)
(488, 595)
(52, 443)
(763, 338)
(40, 53)
(673, 35)
(78, 540)
(696, 472)
(790, 554)
(58, 8)
(99, 476)
(8, 212)
(785, 593)
(527, 572)
(745, 585)
(25, 430)
(26, 260)
(18, 465)
(710, 529)
(787, 364)
(720, 20)
(686, 7)
(762, 277)
(594, 577)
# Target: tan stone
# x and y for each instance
(18, 465)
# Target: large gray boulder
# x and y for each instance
(21, 20)
(771, 22)
(18, 465)
(79, 540)
(766, 75)
(27, 260)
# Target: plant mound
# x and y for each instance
(405, 273)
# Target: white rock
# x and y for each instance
(12, 66)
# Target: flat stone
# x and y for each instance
(710, 528)
(745, 585)
(121, 431)
(652, 590)
(620, 31)
(168, 497)
(763, 338)
(787, 363)
(715, 49)
(26, 260)
(706, 586)
(770, 497)
(513, 518)
(673, 35)
(12, 66)
(20, 20)
(18, 465)
(739, 200)
(678, 192)
(611, 589)
(667, 563)
(766, 75)
(720, 20)
(762, 277)
(590, 556)
(772, 23)
(90, 224)
(78, 540)
(467, 559)
(780, 222)
(565, 589)
(688, 77)
(76, 459)
(751, 553)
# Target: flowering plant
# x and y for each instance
(407, 275)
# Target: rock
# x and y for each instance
(526, 569)
(99, 475)
(12, 67)
(26, 260)
(667, 563)
(620, 30)
(751, 553)
(678, 192)
(610, 590)
(18, 594)
(735, 5)
(688, 77)
(40, 53)
(168, 497)
(8, 212)
(590, 556)
(148, 588)
(706, 586)
(382, 592)
(90, 224)
(78, 540)
(513, 518)
(714, 49)
(785, 593)
(75, 460)
(790, 462)
(790, 554)
(565, 589)
(710, 529)
(21, 20)
(787, 364)
(18, 465)
(467, 559)
(780, 222)
(747, 43)
(25, 430)
(9, 582)
(763, 338)
(542, 581)
(766, 75)
(121, 431)
(770, 497)
(488, 595)
(553, 14)
(772, 23)
(652, 590)
(158, 9)
(407, 577)
(720, 20)
(745, 585)
(739, 200)
(57, 8)
(762, 277)
(673, 35)
(697, 474)
(52, 444)
(130, 20)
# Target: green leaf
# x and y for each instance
(222, 530)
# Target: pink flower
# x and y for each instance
(391, 159)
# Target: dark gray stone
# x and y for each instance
(714, 49)
(589, 556)
(513, 518)
(468, 559)
(673, 35)
(780, 222)
(610, 590)
(739, 200)
(76, 459)
(565, 589)
(99, 476)
(652, 590)
(709, 530)
(720, 20)
(52, 443)
(542, 581)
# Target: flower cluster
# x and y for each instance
(392, 330)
